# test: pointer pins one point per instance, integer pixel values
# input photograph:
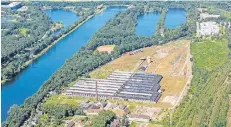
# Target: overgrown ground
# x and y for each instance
(229, 112)
(223, 12)
(210, 54)
(207, 103)
(63, 99)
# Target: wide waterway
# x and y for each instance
(31, 79)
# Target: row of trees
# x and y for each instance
(207, 101)
(160, 25)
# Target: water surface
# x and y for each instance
(29, 81)
(60, 15)
(147, 23)
(174, 18)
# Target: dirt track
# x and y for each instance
(173, 62)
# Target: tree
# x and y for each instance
(103, 119)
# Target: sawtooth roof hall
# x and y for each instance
(122, 85)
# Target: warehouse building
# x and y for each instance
(206, 15)
(120, 85)
(141, 86)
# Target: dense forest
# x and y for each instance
(25, 31)
(27, 28)
(121, 31)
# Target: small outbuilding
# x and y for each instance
(139, 118)
(71, 124)
(94, 110)
(100, 6)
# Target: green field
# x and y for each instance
(23, 31)
(210, 54)
(69, 100)
(220, 11)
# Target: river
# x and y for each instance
(31, 79)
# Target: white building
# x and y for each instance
(206, 15)
(207, 29)
(23, 8)
(202, 9)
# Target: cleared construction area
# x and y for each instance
(138, 86)
(171, 60)
(105, 48)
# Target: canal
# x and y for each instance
(31, 79)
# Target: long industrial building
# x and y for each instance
(121, 85)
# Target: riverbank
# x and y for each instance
(53, 43)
